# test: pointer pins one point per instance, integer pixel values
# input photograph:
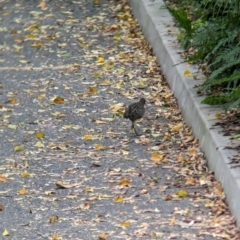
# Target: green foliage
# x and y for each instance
(215, 100)
(182, 18)
(215, 35)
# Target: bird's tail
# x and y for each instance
(125, 115)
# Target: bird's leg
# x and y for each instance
(134, 129)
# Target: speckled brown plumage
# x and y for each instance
(135, 111)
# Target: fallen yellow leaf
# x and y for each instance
(55, 237)
(125, 224)
(99, 146)
(33, 28)
(92, 198)
(100, 60)
(187, 73)
(56, 114)
(182, 193)
(40, 135)
(69, 126)
(19, 148)
(37, 44)
(95, 2)
(89, 189)
(49, 192)
(176, 128)
(117, 37)
(125, 182)
(12, 126)
(118, 199)
(22, 191)
(71, 196)
(25, 174)
(156, 157)
(192, 151)
(218, 115)
(105, 82)
(31, 36)
(88, 137)
(39, 144)
(5, 233)
(53, 219)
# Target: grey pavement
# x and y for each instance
(69, 166)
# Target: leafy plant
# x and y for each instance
(212, 28)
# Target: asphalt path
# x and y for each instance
(70, 168)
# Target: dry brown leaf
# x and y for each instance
(60, 184)
(93, 90)
(58, 100)
(99, 121)
(49, 192)
(86, 206)
(173, 221)
(168, 198)
(96, 164)
(92, 198)
(144, 191)
(71, 196)
(192, 151)
(13, 100)
(190, 181)
(2, 178)
(1, 207)
(102, 236)
(42, 5)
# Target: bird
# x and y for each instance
(134, 112)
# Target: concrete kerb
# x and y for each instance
(158, 27)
